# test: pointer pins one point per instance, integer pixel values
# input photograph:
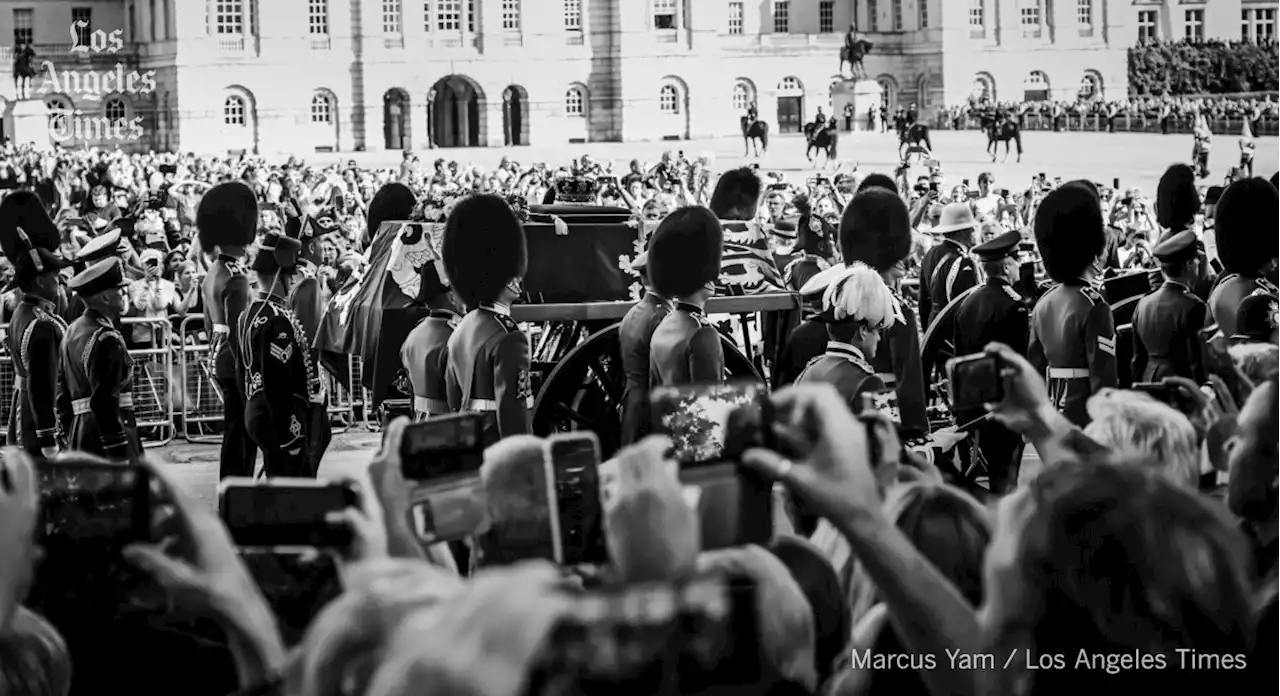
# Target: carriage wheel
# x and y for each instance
(585, 390)
(936, 348)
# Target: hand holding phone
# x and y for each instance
(975, 380)
(441, 457)
(572, 463)
(286, 514)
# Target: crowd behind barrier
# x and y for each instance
(1097, 123)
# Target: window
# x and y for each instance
(511, 15)
(735, 18)
(924, 14)
(22, 23)
(741, 96)
(1084, 13)
(234, 111)
(82, 20)
(1193, 25)
(391, 16)
(471, 16)
(781, 16)
(318, 17)
(1147, 25)
(1030, 13)
(790, 87)
(115, 110)
(59, 110)
(897, 15)
(575, 104)
(1090, 87)
(873, 16)
(669, 100)
(976, 17)
(228, 16)
(449, 15)
(826, 17)
(322, 109)
(1257, 25)
(573, 15)
(664, 14)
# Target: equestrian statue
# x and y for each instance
(852, 52)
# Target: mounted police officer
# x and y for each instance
(635, 333)
(96, 397)
(946, 269)
(35, 329)
(1167, 323)
(226, 222)
(425, 353)
(485, 258)
(1073, 335)
(281, 380)
(684, 265)
(995, 311)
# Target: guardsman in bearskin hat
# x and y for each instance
(636, 334)
(307, 300)
(1167, 324)
(946, 269)
(485, 258)
(96, 396)
(876, 230)
(281, 379)
(30, 240)
(1073, 335)
(425, 353)
(995, 312)
(1244, 225)
(226, 222)
(684, 265)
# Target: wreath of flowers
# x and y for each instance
(436, 208)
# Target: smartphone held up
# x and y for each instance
(975, 380)
(441, 458)
(286, 515)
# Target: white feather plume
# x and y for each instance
(858, 293)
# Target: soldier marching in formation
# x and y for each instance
(684, 264)
(425, 353)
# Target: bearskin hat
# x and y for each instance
(737, 194)
(227, 216)
(875, 229)
(684, 254)
(28, 238)
(1177, 201)
(878, 180)
(1069, 231)
(392, 202)
(484, 248)
(1245, 226)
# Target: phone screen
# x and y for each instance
(281, 514)
(697, 418)
(443, 446)
(734, 505)
(575, 487)
(974, 380)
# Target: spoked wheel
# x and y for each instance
(585, 390)
(937, 347)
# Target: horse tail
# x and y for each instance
(833, 146)
(1017, 139)
(764, 135)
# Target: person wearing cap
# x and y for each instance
(35, 329)
(1073, 334)
(1167, 322)
(226, 223)
(1243, 229)
(995, 312)
(425, 353)
(946, 270)
(96, 396)
(684, 265)
(109, 245)
(306, 300)
(485, 259)
(281, 379)
(809, 338)
(1257, 319)
(859, 307)
(150, 297)
(635, 334)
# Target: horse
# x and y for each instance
(754, 133)
(852, 53)
(913, 135)
(24, 69)
(824, 139)
(1002, 132)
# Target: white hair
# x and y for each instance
(1140, 429)
(860, 294)
(1256, 360)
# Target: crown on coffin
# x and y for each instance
(576, 190)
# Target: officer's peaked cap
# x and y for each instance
(1176, 248)
(277, 253)
(103, 246)
(1069, 231)
(103, 275)
(484, 248)
(685, 252)
(1002, 246)
(227, 216)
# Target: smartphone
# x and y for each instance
(572, 462)
(95, 500)
(1168, 394)
(698, 419)
(441, 460)
(933, 187)
(287, 515)
(975, 380)
(778, 187)
(734, 504)
(1115, 183)
(972, 195)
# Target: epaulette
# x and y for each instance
(1013, 294)
(507, 322)
(234, 267)
(1092, 293)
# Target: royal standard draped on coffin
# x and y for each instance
(747, 267)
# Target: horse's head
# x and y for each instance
(863, 46)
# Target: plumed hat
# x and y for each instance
(1069, 231)
(227, 216)
(859, 294)
(875, 229)
(28, 238)
(393, 201)
(484, 248)
(684, 254)
(1176, 199)
(1245, 225)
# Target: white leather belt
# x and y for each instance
(81, 406)
(434, 407)
(483, 405)
(1068, 373)
(221, 328)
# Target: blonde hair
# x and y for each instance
(860, 294)
(651, 532)
(1138, 428)
(1256, 360)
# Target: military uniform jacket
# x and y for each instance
(993, 312)
(488, 370)
(635, 333)
(425, 356)
(806, 342)
(1167, 340)
(280, 377)
(897, 364)
(35, 336)
(844, 367)
(1073, 343)
(226, 294)
(1224, 300)
(945, 271)
(96, 397)
(685, 350)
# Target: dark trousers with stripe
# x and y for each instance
(239, 454)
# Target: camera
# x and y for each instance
(975, 380)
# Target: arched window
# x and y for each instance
(575, 102)
(234, 112)
(669, 100)
(790, 86)
(1036, 87)
(115, 110)
(1037, 79)
(831, 91)
(1091, 86)
(923, 89)
(322, 108)
(886, 94)
(984, 89)
(743, 95)
(60, 110)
